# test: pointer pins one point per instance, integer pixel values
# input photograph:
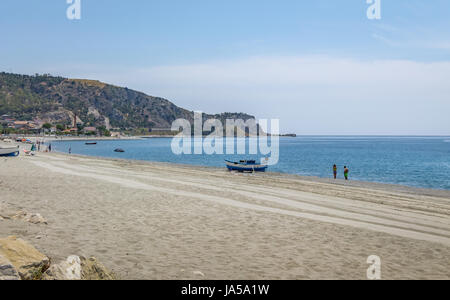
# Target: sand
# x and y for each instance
(162, 221)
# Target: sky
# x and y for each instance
(321, 67)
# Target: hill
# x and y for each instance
(56, 100)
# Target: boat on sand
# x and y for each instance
(9, 151)
(245, 166)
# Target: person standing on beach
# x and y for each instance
(49, 147)
(70, 150)
(346, 171)
(335, 171)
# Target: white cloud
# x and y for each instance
(413, 44)
(410, 38)
(311, 95)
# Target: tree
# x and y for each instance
(60, 127)
(102, 131)
(47, 126)
(101, 128)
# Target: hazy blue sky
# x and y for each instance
(320, 66)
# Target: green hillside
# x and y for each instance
(56, 100)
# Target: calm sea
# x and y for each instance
(412, 161)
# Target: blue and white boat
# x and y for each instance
(9, 151)
(245, 166)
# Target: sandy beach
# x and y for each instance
(161, 221)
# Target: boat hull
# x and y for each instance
(10, 151)
(233, 166)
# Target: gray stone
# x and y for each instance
(7, 270)
(78, 268)
(33, 218)
(70, 269)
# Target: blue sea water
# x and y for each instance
(411, 161)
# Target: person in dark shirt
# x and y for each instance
(335, 171)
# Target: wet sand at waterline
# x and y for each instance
(162, 221)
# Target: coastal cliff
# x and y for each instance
(56, 100)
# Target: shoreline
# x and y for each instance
(152, 220)
(355, 183)
(341, 182)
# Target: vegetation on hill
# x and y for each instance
(56, 100)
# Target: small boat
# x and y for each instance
(245, 166)
(91, 143)
(9, 151)
(119, 150)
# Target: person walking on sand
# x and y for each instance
(335, 171)
(346, 171)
